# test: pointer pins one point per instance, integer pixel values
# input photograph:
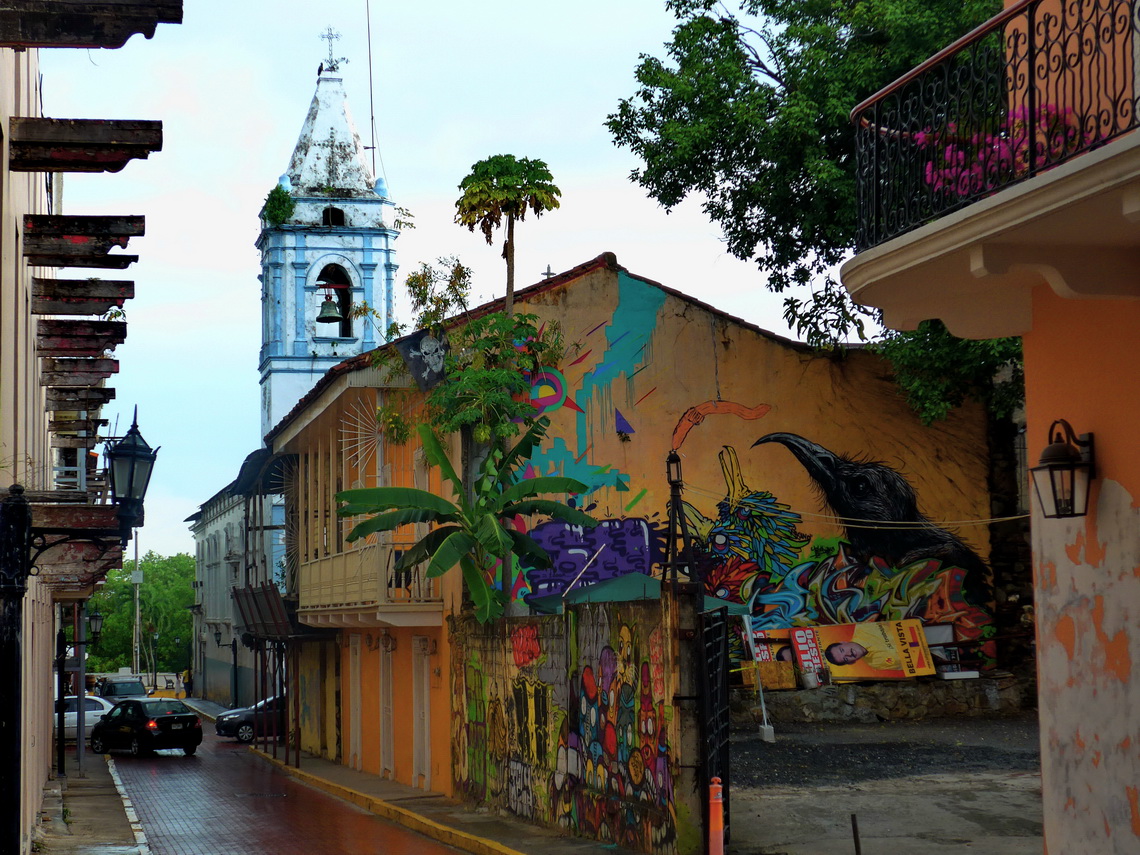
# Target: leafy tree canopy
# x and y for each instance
(504, 186)
(476, 530)
(749, 113)
(486, 386)
(937, 372)
(165, 596)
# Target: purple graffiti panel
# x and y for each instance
(630, 546)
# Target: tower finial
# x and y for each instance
(333, 62)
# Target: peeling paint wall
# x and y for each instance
(1087, 578)
(647, 371)
(575, 732)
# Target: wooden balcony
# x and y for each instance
(359, 587)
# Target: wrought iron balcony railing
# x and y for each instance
(1038, 84)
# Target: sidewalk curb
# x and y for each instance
(409, 819)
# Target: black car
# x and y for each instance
(255, 721)
(143, 725)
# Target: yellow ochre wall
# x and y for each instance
(648, 370)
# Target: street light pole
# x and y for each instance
(15, 539)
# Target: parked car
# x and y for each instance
(143, 725)
(256, 721)
(117, 689)
(93, 709)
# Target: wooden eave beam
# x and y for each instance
(60, 399)
(79, 520)
(79, 145)
(84, 371)
(103, 262)
(81, 23)
(75, 441)
(56, 337)
(75, 425)
(79, 296)
(65, 241)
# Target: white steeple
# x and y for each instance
(329, 159)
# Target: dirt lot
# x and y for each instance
(916, 788)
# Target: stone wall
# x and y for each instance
(910, 700)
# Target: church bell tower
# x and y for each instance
(326, 248)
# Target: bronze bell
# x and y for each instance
(329, 313)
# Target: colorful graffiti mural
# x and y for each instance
(588, 752)
(891, 563)
(888, 563)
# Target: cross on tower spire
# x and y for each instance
(333, 62)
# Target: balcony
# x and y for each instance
(361, 587)
(1002, 163)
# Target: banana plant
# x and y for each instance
(474, 531)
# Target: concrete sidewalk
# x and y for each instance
(430, 814)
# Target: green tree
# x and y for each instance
(749, 113)
(165, 596)
(486, 387)
(937, 372)
(475, 530)
(503, 186)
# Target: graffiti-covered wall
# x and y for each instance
(574, 730)
(813, 491)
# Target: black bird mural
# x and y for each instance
(866, 493)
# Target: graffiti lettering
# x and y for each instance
(524, 643)
(520, 789)
(631, 546)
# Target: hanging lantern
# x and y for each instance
(1063, 474)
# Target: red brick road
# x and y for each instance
(226, 801)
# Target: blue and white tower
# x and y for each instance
(336, 244)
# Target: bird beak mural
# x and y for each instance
(822, 465)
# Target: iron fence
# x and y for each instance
(1038, 84)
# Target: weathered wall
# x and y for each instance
(403, 641)
(647, 371)
(1087, 576)
(575, 732)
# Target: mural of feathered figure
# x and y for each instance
(877, 507)
(890, 563)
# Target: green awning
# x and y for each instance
(622, 589)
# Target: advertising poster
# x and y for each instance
(884, 650)
(770, 645)
(878, 650)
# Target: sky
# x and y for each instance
(452, 83)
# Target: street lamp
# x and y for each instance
(1064, 472)
(130, 462)
(95, 620)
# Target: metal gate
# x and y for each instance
(714, 708)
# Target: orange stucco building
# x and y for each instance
(1044, 247)
(782, 450)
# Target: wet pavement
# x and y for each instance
(916, 788)
(933, 787)
(225, 800)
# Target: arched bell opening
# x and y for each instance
(337, 304)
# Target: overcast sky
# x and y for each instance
(453, 82)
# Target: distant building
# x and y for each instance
(580, 729)
(334, 251)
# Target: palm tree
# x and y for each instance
(470, 531)
(503, 186)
